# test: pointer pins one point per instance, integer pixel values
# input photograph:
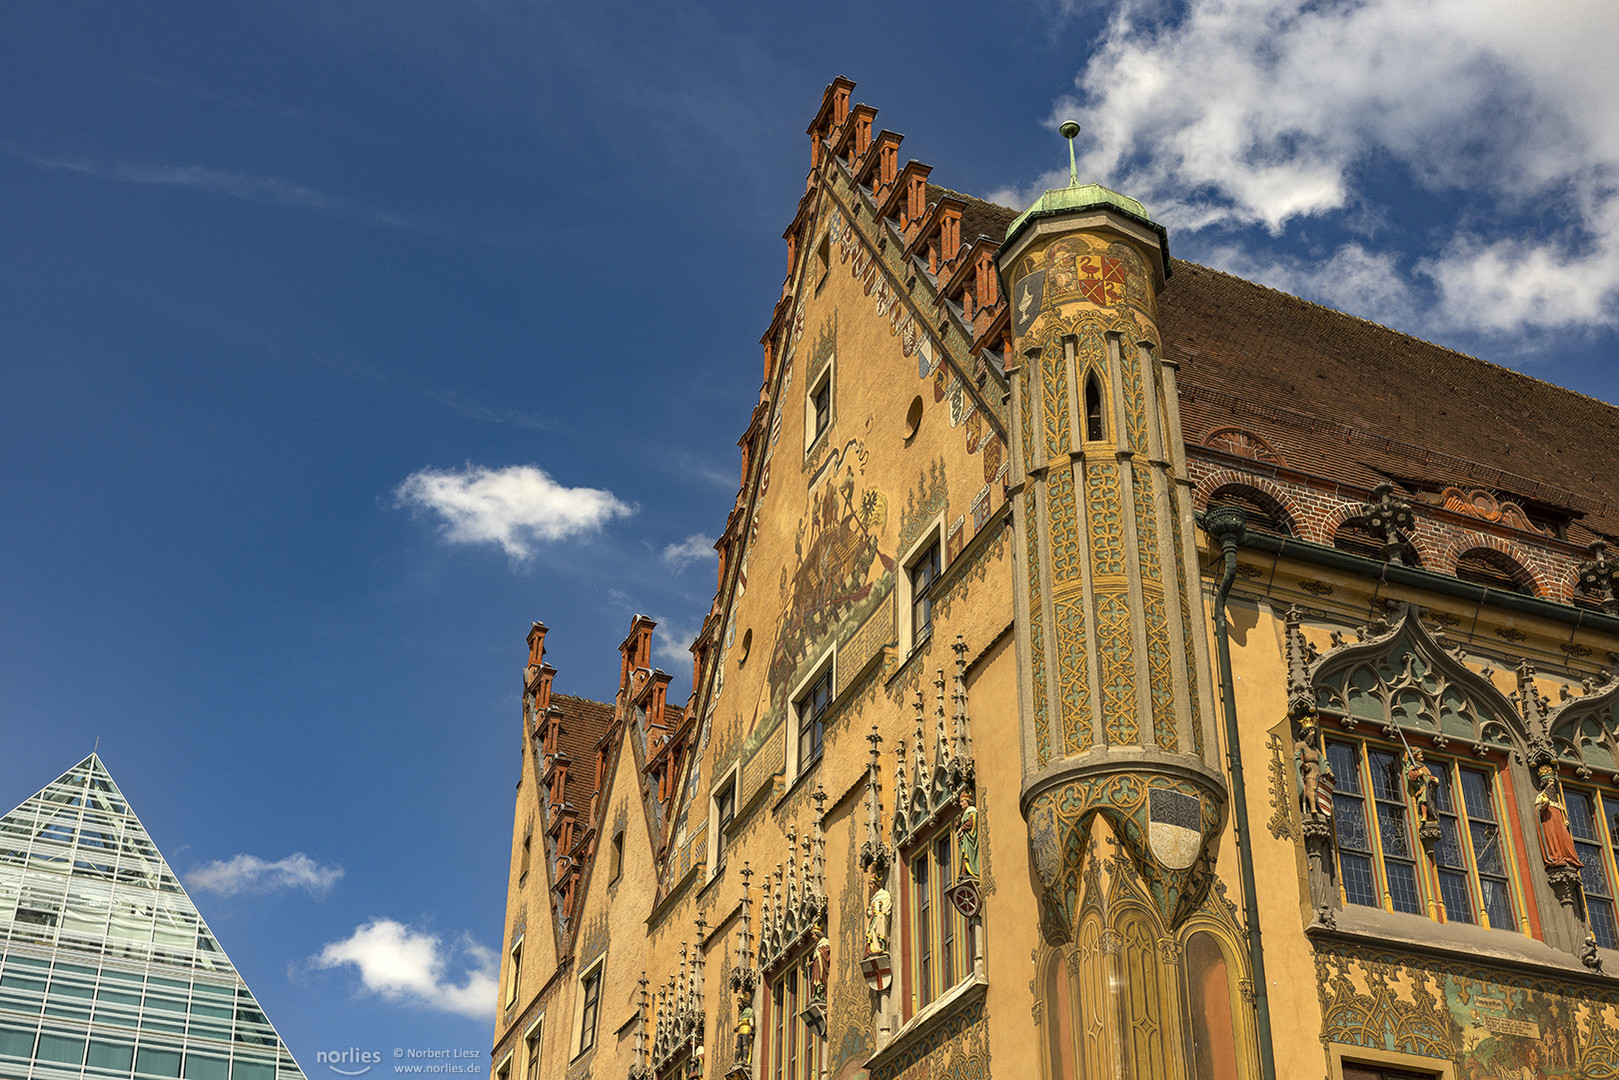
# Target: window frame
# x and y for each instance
(793, 1050)
(616, 858)
(514, 974)
(944, 944)
(1460, 824)
(817, 423)
(532, 1047)
(1605, 837)
(801, 703)
(722, 793)
(930, 539)
(588, 1010)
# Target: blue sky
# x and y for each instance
(339, 341)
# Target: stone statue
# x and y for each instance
(967, 835)
(1308, 761)
(1556, 843)
(878, 910)
(820, 964)
(744, 1031)
(1418, 782)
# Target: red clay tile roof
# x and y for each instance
(1355, 402)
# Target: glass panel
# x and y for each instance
(1359, 887)
(1345, 761)
(1476, 790)
(252, 1070)
(1594, 876)
(155, 1062)
(1403, 889)
(1581, 821)
(63, 1049)
(1602, 923)
(1350, 818)
(1391, 829)
(1498, 903)
(1487, 849)
(1456, 896)
(16, 1042)
(1385, 770)
(113, 1056)
(206, 1067)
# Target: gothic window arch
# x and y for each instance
(1095, 409)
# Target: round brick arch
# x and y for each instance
(1256, 487)
(1420, 539)
(1469, 542)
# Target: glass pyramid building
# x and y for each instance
(106, 969)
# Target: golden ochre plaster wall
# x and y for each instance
(1383, 987)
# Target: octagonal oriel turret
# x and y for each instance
(1117, 711)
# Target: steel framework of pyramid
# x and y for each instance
(106, 969)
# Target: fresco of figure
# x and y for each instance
(1308, 762)
(878, 910)
(1556, 844)
(1419, 782)
(967, 835)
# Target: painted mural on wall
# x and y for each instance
(1539, 1029)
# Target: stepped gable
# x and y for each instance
(978, 218)
(1312, 382)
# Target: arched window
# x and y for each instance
(1265, 514)
(1494, 570)
(1095, 425)
(1209, 996)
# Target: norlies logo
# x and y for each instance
(358, 1061)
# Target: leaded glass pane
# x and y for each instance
(1476, 790)
(1350, 818)
(1581, 822)
(1457, 898)
(1392, 831)
(1359, 887)
(1487, 848)
(1593, 876)
(1403, 889)
(1345, 762)
(1385, 770)
(1498, 903)
(1602, 923)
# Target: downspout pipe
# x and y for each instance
(1227, 526)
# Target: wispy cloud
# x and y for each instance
(695, 548)
(671, 642)
(515, 507)
(251, 874)
(1271, 115)
(399, 963)
(266, 190)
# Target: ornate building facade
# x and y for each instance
(1116, 668)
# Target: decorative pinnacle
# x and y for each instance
(1069, 130)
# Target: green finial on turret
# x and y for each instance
(1069, 130)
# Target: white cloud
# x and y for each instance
(401, 964)
(515, 507)
(695, 548)
(249, 874)
(671, 643)
(1273, 114)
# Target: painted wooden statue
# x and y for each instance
(878, 911)
(1419, 782)
(820, 964)
(744, 1032)
(1556, 843)
(967, 835)
(1309, 764)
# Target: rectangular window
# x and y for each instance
(1583, 823)
(531, 1049)
(811, 709)
(794, 1047)
(923, 572)
(515, 974)
(616, 866)
(592, 990)
(938, 931)
(725, 813)
(1378, 866)
(522, 869)
(821, 407)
